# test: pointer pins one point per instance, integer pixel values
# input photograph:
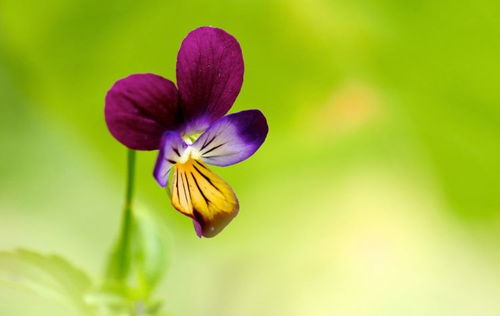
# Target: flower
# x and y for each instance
(187, 125)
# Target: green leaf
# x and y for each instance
(49, 276)
(136, 263)
(149, 250)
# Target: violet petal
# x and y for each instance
(209, 75)
(233, 138)
(171, 148)
(197, 228)
(139, 108)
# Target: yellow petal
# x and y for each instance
(202, 195)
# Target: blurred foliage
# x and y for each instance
(49, 276)
(126, 293)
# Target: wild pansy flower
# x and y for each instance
(187, 124)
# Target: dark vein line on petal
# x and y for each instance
(176, 150)
(176, 180)
(205, 144)
(181, 183)
(185, 181)
(213, 148)
(200, 164)
(207, 178)
(199, 189)
(163, 174)
(215, 156)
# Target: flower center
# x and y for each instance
(191, 138)
(190, 152)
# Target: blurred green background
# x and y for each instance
(376, 193)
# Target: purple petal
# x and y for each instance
(171, 148)
(233, 138)
(139, 108)
(197, 228)
(209, 74)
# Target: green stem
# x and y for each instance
(130, 178)
(127, 220)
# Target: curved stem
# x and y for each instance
(126, 228)
(130, 178)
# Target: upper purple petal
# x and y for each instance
(171, 148)
(209, 75)
(139, 108)
(233, 138)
